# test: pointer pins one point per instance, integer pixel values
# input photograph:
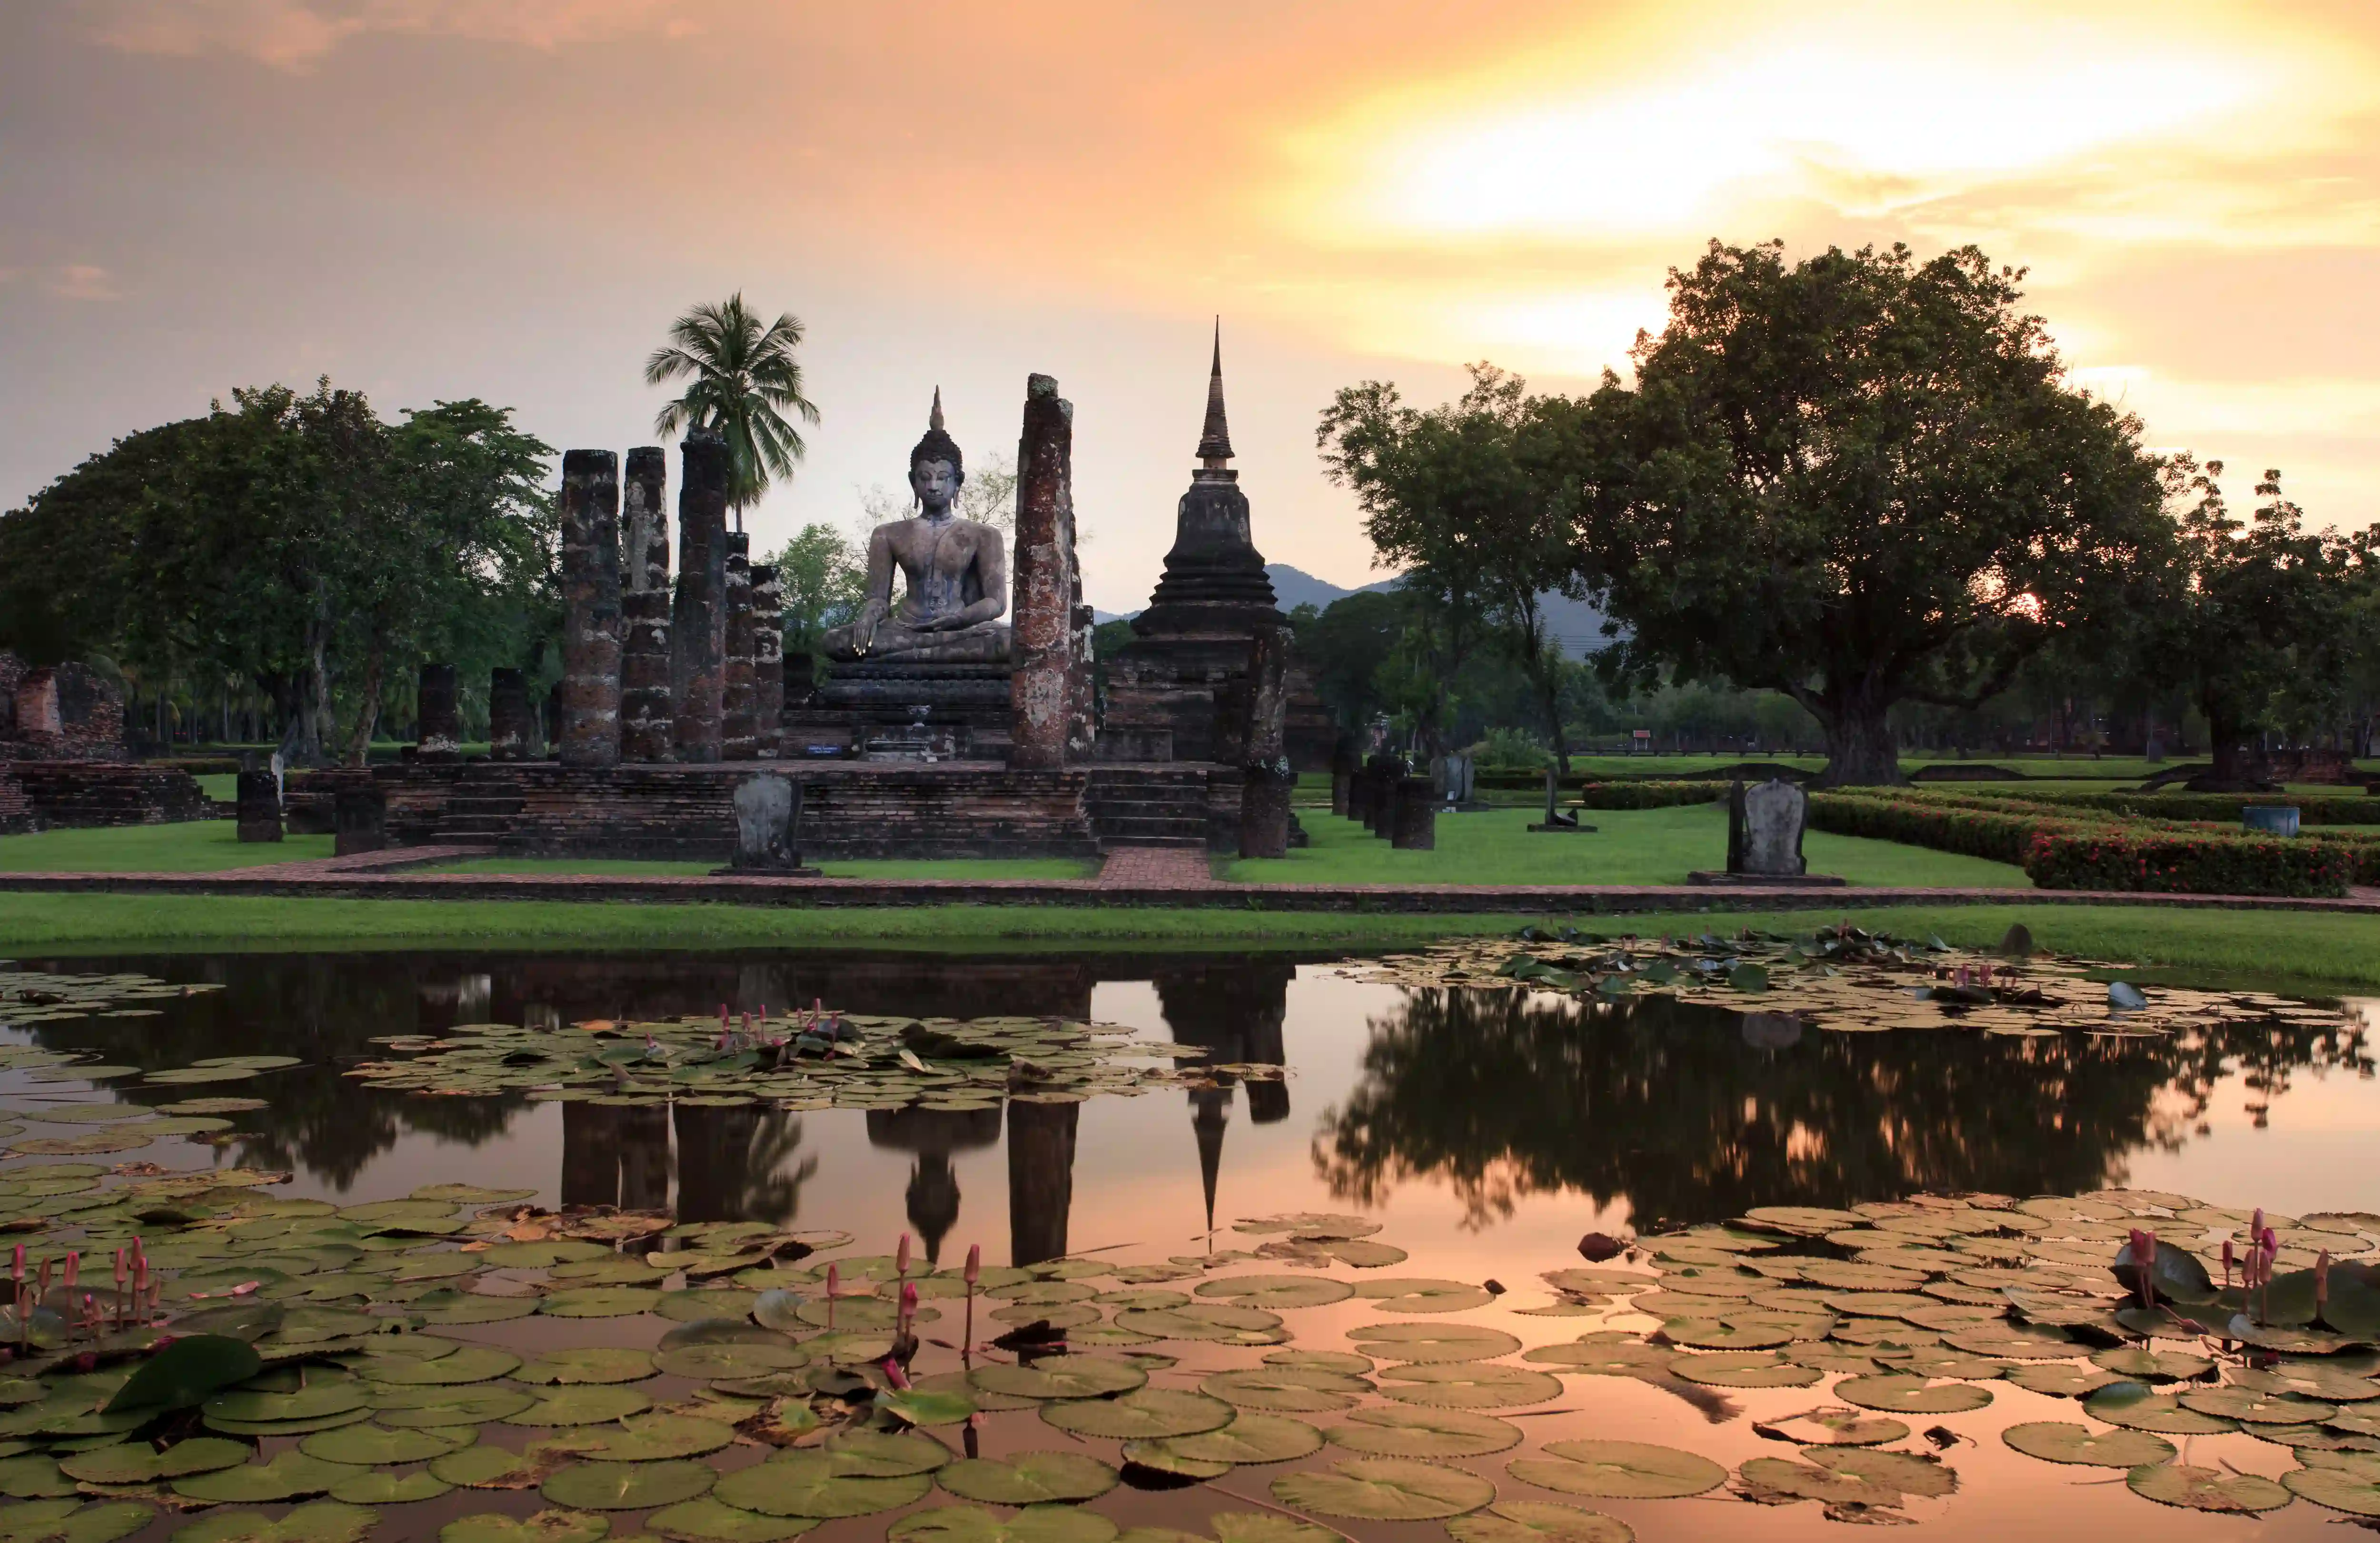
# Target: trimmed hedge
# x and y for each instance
(2321, 809)
(2002, 835)
(2124, 858)
(1648, 795)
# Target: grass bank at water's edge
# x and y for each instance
(2310, 949)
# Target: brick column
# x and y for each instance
(512, 727)
(768, 663)
(1041, 630)
(736, 700)
(590, 609)
(442, 726)
(698, 620)
(1267, 783)
(645, 703)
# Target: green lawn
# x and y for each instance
(938, 868)
(220, 786)
(194, 847)
(2306, 950)
(1629, 847)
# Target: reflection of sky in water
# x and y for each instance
(1748, 1110)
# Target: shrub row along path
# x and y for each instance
(1131, 876)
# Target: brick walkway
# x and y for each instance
(392, 860)
(1169, 868)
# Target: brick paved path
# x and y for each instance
(1170, 867)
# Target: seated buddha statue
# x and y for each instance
(955, 571)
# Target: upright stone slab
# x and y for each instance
(646, 710)
(259, 806)
(1266, 780)
(441, 718)
(1414, 824)
(512, 723)
(1764, 829)
(768, 662)
(698, 620)
(737, 701)
(1343, 766)
(360, 820)
(590, 609)
(1042, 631)
(768, 826)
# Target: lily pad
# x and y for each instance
(803, 1483)
(919, 1406)
(628, 1486)
(2064, 1441)
(2132, 1406)
(599, 1301)
(546, 1526)
(651, 1438)
(1040, 1523)
(1618, 1470)
(1028, 1478)
(1846, 1427)
(366, 1445)
(136, 1463)
(1403, 1432)
(1064, 1377)
(1468, 1385)
(290, 1477)
(710, 1362)
(313, 1400)
(420, 1408)
(1250, 1438)
(322, 1522)
(884, 1454)
(1425, 1342)
(2195, 1488)
(1277, 1291)
(1743, 1369)
(2249, 1407)
(1415, 1294)
(601, 1364)
(583, 1406)
(1536, 1522)
(187, 1372)
(67, 1520)
(1145, 1414)
(380, 1488)
(1385, 1489)
(1911, 1395)
(1296, 1389)
(2355, 1490)
(472, 1364)
(707, 1521)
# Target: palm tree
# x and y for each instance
(743, 381)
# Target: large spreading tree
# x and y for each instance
(1860, 480)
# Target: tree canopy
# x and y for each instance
(1860, 480)
(298, 543)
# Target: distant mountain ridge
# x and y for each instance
(1577, 625)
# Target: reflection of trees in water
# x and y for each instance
(1693, 1114)
(323, 1009)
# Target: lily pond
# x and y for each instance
(1547, 1239)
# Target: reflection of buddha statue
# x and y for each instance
(956, 570)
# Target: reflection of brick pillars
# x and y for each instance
(441, 734)
(698, 620)
(590, 609)
(737, 701)
(512, 727)
(1042, 632)
(645, 707)
(768, 662)
(1040, 1179)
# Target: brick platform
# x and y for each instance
(58, 793)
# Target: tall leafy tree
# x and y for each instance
(741, 381)
(2266, 619)
(1860, 480)
(1447, 496)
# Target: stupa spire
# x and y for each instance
(1215, 439)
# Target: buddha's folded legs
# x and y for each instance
(986, 644)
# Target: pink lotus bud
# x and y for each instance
(908, 1304)
(973, 1264)
(121, 1269)
(833, 1281)
(900, 1255)
(17, 1264)
(2227, 1261)
(42, 1285)
(723, 1014)
(74, 1269)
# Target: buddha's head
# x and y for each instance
(936, 469)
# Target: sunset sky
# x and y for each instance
(510, 199)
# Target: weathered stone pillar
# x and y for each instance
(1041, 635)
(737, 721)
(259, 806)
(1343, 774)
(645, 706)
(1266, 780)
(768, 662)
(590, 609)
(1082, 678)
(1414, 825)
(359, 821)
(698, 620)
(512, 727)
(441, 725)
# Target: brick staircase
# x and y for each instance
(1156, 804)
(484, 805)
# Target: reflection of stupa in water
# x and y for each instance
(934, 1135)
(1235, 1013)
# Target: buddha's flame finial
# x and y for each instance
(934, 418)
